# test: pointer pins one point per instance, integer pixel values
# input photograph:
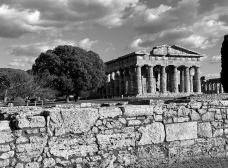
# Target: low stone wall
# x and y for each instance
(142, 136)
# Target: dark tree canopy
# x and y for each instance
(224, 72)
(70, 70)
(15, 83)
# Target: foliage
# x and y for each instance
(224, 72)
(18, 101)
(4, 81)
(70, 70)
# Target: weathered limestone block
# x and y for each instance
(4, 148)
(183, 111)
(32, 165)
(109, 112)
(180, 119)
(7, 155)
(218, 132)
(181, 131)
(137, 110)
(158, 109)
(68, 146)
(4, 125)
(27, 152)
(194, 116)
(31, 122)
(153, 133)
(204, 130)
(48, 162)
(6, 136)
(134, 122)
(19, 165)
(209, 116)
(77, 120)
(196, 105)
(4, 163)
(114, 141)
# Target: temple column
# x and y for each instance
(197, 78)
(175, 83)
(186, 80)
(125, 82)
(150, 72)
(139, 79)
(163, 80)
(181, 80)
(221, 88)
(120, 83)
(191, 83)
(112, 84)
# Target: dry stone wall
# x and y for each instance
(137, 136)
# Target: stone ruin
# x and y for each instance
(122, 136)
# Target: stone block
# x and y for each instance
(32, 165)
(6, 136)
(19, 165)
(114, 141)
(209, 116)
(31, 122)
(195, 116)
(153, 133)
(48, 162)
(195, 105)
(7, 155)
(4, 125)
(134, 122)
(75, 120)
(69, 146)
(109, 112)
(204, 130)
(4, 163)
(181, 131)
(137, 110)
(4, 148)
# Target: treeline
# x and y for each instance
(63, 71)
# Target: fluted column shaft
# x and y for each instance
(175, 83)
(181, 80)
(163, 79)
(187, 80)
(197, 78)
(151, 76)
(139, 79)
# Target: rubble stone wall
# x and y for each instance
(120, 136)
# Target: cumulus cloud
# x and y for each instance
(22, 62)
(86, 43)
(25, 54)
(15, 22)
(186, 24)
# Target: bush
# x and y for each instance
(19, 101)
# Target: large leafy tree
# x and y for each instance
(70, 70)
(224, 72)
(16, 83)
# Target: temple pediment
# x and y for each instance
(174, 50)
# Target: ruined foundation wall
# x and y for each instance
(124, 136)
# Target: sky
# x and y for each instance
(111, 28)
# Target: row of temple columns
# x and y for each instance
(130, 81)
(210, 87)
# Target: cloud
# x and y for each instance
(182, 24)
(63, 13)
(15, 22)
(22, 62)
(86, 43)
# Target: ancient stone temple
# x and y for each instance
(165, 70)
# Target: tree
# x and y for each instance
(17, 83)
(4, 84)
(70, 70)
(224, 72)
